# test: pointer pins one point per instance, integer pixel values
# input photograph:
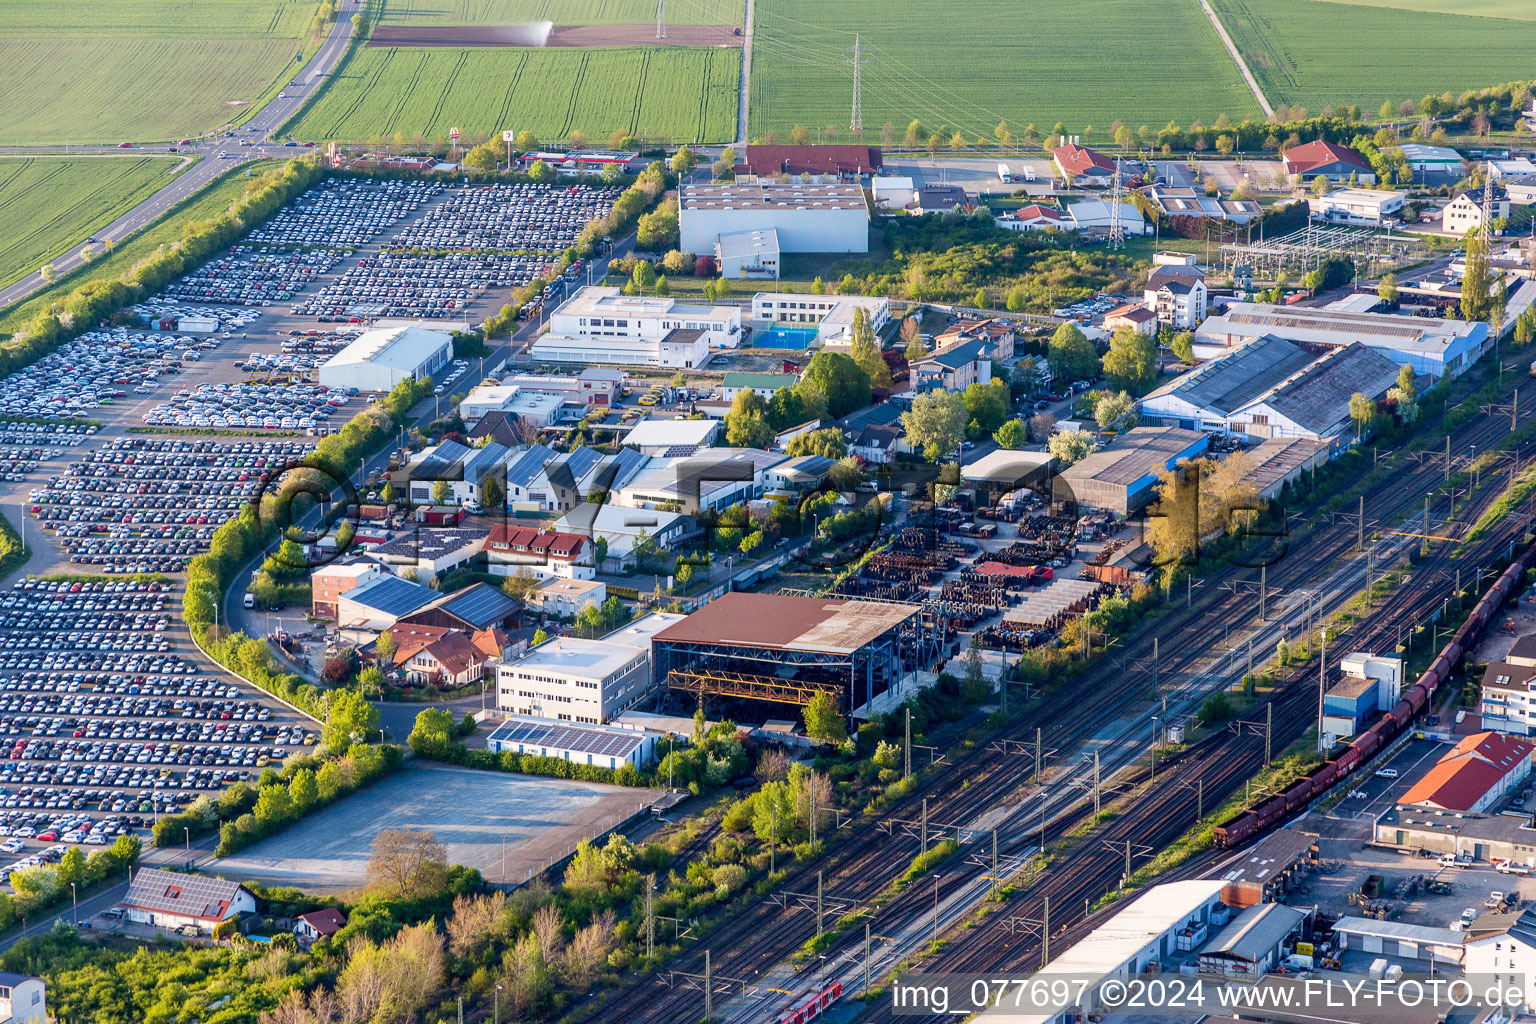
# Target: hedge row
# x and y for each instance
(93, 302)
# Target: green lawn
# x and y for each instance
(679, 92)
(1085, 63)
(206, 204)
(48, 205)
(1318, 54)
(140, 70)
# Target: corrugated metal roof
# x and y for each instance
(1235, 378)
(1255, 932)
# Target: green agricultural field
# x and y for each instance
(561, 12)
(680, 92)
(1319, 54)
(139, 70)
(210, 202)
(48, 205)
(1085, 63)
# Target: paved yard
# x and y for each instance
(472, 812)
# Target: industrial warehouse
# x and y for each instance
(787, 649)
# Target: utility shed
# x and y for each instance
(598, 745)
(1400, 939)
(1253, 942)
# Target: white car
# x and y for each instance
(1386, 773)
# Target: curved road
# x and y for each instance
(186, 182)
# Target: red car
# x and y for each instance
(48, 836)
(125, 145)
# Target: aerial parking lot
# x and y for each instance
(109, 715)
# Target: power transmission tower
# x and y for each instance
(856, 122)
(661, 19)
(1116, 228)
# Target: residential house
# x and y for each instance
(954, 369)
(510, 549)
(938, 199)
(1137, 318)
(565, 599)
(560, 481)
(711, 479)
(523, 479)
(319, 924)
(1508, 693)
(504, 428)
(174, 899)
(1081, 165)
(996, 335)
(447, 660)
(1033, 217)
(1177, 294)
(799, 475)
(464, 469)
(1465, 212)
(1502, 948)
(624, 529)
(874, 433)
(23, 999)
(1328, 159)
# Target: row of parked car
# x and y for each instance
(252, 406)
(425, 285)
(343, 213)
(526, 217)
(251, 276)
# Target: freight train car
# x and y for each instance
(1419, 696)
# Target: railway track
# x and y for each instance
(751, 942)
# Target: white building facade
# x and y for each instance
(602, 325)
(381, 358)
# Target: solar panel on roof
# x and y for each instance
(564, 737)
(680, 451)
(393, 595)
(481, 606)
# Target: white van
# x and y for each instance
(250, 600)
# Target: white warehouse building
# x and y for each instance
(805, 218)
(599, 324)
(381, 358)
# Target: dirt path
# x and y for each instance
(746, 75)
(1242, 65)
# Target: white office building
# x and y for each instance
(806, 218)
(602, 325)
(1367, 207)
(570, 679)
(381, 358)
(832, 314)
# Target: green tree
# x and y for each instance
(526, 141)
(1183, 347)
(1131, 362)
(1386, 110)
(1070, 446)
(350, 719)
(682, 160)
(773, 812)
(828, 443)
(1477, 283)
(1361, 410)
(662, 287)
(644, 275)
(1320, 186)
(1071, 355)
(843, 382)
(799, 135)
(303, 790)
(1018, 299)
(491, 495)
(433, 732)
(823, 722)
(657, 231)
(1012, 435)
(1112, 407)
(539, 171)
(484, 157)
(71, 867)
(987, 404)
(866, 350)
(981, 300)
(746, 425)
(937, 418)
(441, 492)
(384, 648)
(1405, 380)
(1386, 288)
(274, 806)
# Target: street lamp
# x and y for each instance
(74, 898)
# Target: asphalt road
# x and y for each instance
(189, 180)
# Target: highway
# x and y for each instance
(188, 181)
